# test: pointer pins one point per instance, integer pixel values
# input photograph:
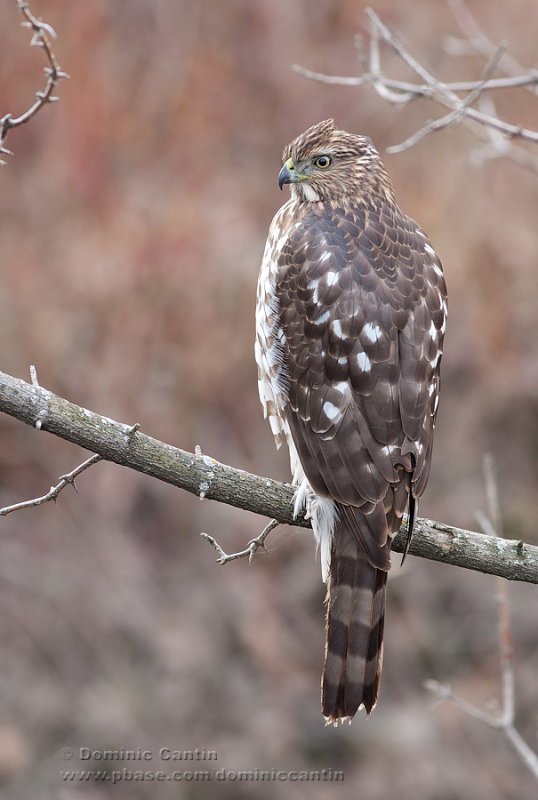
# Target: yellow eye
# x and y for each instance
(323, 162)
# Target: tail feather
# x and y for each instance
(355, 621)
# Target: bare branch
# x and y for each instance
(494, 523)
(42, 33)
(475, 38)
(334, 79)
(375, 70)
(202, 475)
(379, 29)
(486, 75)
(443, 93)
(497, 134)
(491, 523)
(443, 693)
(477, 41)
(492, 495)
(250, 550)
(504, 722)
(414, 90)
(527, 755)
(457, 115)
(54, 491)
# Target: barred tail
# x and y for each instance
(355, 619)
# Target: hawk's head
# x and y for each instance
(325, 164)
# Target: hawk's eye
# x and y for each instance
(323, 162)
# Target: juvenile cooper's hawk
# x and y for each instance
(350, 319)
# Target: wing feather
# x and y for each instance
(361, 308)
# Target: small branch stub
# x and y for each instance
(250, 551)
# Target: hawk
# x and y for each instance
(350, 320)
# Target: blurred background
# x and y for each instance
(133, 216)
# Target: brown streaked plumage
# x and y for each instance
(350, 320)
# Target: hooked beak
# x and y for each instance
(287, 174)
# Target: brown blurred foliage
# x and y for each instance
(133, 219)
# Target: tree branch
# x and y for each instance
(204, 476)
(65, 480)
(42, 33)
(499, 135)
(476, 41)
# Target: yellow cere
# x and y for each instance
(300, 176)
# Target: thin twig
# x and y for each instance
(339, 80)
(486, 75)
(378, 81)
(492, 494)
(65, 480)
(457, 115)
(503, 607)
(249, 551)
(42, 33)
(442, 692)
(414, 90)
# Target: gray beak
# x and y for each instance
(285, 176)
